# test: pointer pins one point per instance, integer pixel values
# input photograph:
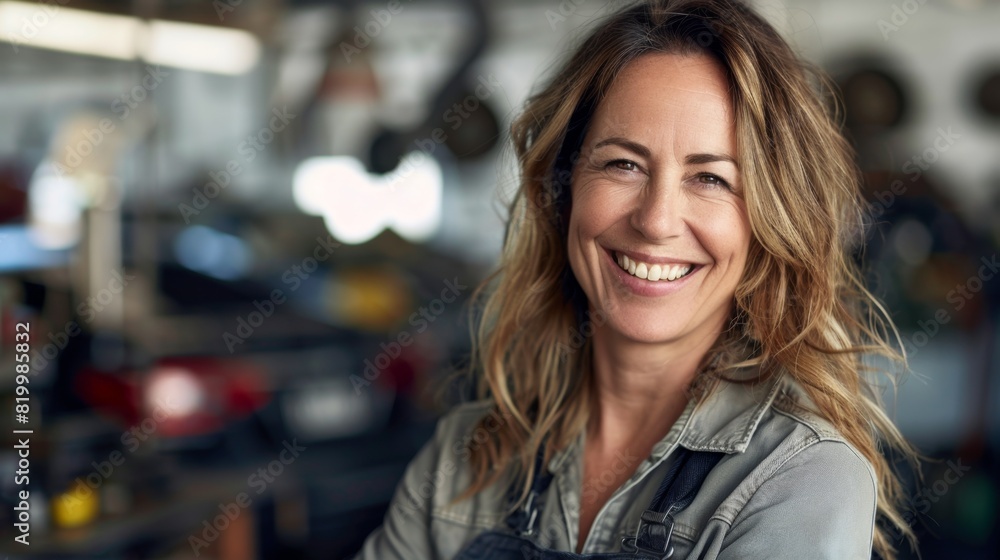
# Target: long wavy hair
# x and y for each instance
(801, 305)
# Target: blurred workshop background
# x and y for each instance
(244, 234)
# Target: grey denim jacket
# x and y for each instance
(789, 487)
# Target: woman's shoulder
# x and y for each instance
(788, 421)
(442, 470)
(424, 519)
(467, 422)
(743, 410)
(769, 427)
(796, 410)
(792, 436)
(794, 469)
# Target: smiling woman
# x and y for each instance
(654, 195)
(673, 349)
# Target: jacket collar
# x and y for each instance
(724, 420)
(727, 417)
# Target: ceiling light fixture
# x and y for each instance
(203, 48)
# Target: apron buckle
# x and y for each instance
(653, 535)
(523, 520)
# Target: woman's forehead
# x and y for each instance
(668, 98)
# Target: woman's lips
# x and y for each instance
(668, 271)
(646, 287)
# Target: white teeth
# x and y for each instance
(653, 272)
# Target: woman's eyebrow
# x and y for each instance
(695, 159)
(639, 149)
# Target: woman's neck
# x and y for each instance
(640, 389)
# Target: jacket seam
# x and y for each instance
(817, 431)
(809, 442)
(799, 447)
(787, 406)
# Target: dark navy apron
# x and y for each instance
(652, 537)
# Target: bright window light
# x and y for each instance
(357, 206)
(55, 208)
(201, 47)
(55, 27)
(189, 46)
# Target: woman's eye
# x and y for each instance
(709, 179)
(622, 165)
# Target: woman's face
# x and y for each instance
(658, 231)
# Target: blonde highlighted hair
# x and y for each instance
(801, 305)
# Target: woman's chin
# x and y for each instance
(644, 330)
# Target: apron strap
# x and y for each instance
(656, 525)
(676, 492)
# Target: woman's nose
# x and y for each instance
(659, 211)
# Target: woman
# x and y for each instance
(672, 349)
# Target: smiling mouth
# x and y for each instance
(653, 272)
